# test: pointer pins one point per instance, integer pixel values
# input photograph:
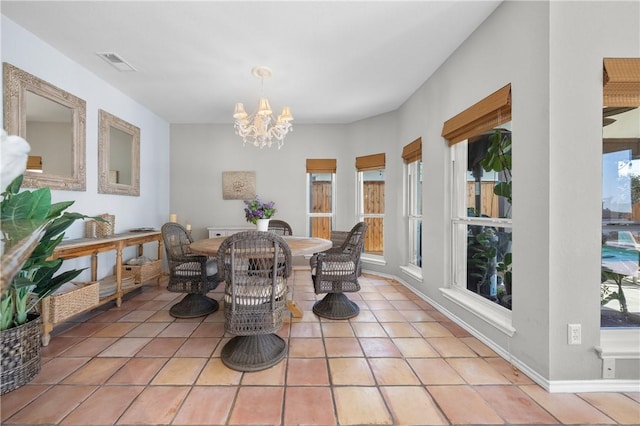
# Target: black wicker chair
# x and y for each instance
(189, 273)
(255, 267)
(336, 271)
(280, 227)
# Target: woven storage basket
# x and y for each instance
(65, 305)
(144, 272)
(106, 229)
(20, 353)
(90, 229)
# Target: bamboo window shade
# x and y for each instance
(413, 151)
(34, 163)
(488, 113)
(370, 162)
(321, 165)
(621, 81)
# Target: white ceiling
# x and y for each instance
(332, 61)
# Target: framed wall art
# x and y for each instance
(238, 185)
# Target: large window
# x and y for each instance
(321, 189)
(412, 156)
(370, 195)
(480, 139)
(619, 291)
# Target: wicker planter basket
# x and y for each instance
(20, 354)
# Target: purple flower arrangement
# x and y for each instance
(256, 209)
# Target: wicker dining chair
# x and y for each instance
(280, 227)
(189, 273)
(336, 271)
(255, 266)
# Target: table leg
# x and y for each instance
(94, 267)
(119, 274)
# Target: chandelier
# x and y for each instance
(262, 128)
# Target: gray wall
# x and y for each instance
(201, 152)
(552, 56)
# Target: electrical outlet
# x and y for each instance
(574, 332)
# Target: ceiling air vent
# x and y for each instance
(116, 61)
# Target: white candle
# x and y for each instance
(173, 217)
(188, 227)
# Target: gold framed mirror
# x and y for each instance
(118, 156)
(53, 122)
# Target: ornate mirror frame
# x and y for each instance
(105, 184)
(16, 85)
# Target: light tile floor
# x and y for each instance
(398, 362)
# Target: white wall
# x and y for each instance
(24, 50)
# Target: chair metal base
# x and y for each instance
(253, 353)
(336, 306)
(193, 305)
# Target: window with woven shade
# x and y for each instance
(620, 193)
(321, 174)
(480, 138)
(370, 199)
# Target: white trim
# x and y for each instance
(413, 271)
(619, 344)
(551, 386)
(373, 259)
(492, 313)
(581, 386)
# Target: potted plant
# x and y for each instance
(259, 213)
(31, 228)
(498, 159)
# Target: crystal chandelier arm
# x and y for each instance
(261, 127)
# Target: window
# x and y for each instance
(620, 194)
(321, 189)
(412, 156)
(481, 201)
(370, 195)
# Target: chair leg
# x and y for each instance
(253, 353)
(193, 305)
(336, 306)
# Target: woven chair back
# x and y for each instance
(280, 227)
(354, 243)
(177, 240)
(255, 266)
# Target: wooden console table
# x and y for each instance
(81, 247)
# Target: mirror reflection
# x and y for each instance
(53, 122)
(118, 156)
(50, 132)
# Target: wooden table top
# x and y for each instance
(299, 246)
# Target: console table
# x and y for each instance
(70, 249)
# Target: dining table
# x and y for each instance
(299, 246)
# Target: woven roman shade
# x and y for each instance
(490, 112)
(413, 151)
(34, 163)
(370, 162)
(621, 82)
(321, 165)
